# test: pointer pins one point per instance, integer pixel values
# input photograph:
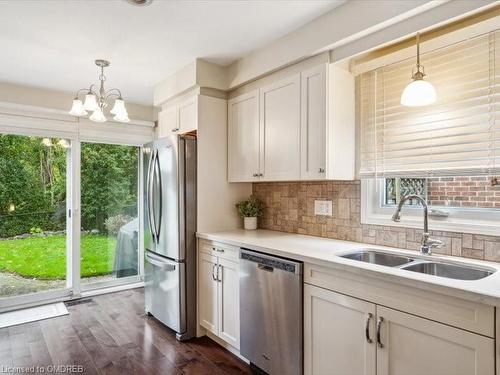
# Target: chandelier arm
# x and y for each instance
(92, 90)
(111, 92)
(78, 93)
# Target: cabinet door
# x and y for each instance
(313, 123)
(413, 345)
(167, 122)
(188, 115)
(280, 130)
(243, 138)
(207, 292)
(229, 302)
(337, 333)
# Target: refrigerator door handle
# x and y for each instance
(160, 196)
(164, 265)
(149, 194)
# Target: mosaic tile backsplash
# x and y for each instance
(290, 208)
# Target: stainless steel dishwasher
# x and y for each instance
(271, 312)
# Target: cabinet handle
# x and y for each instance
(175, 130)
(213, 272)
(261, 174)
(367, 328)
(218, 268)
(256, 175)
(379, 323)
(321, 170)
(220, 250)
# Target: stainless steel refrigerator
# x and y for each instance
(169, 232)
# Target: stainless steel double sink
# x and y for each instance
(421, 265)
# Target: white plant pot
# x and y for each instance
(250, 223)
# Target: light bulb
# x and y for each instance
(418, 93)
(90, 102)
(98, 116)
(77, 108)
(119, 107)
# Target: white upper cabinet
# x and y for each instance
(243, 138)
(179, 118)
(188, 115)
(280, 130)
(299, 128)
(313, 123)
(167, 122)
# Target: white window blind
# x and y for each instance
(458, 135)
(132, 134)
(36, 121)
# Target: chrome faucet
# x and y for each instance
(427, 243)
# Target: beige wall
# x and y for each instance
(40, 97)
(290, 208)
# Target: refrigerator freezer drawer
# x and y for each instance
(165, 291)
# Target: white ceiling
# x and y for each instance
(53, 43)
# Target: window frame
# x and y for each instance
(466, 220)
(26, 120)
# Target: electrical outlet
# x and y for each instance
(323, 208)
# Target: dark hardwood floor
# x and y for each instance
(110, 334)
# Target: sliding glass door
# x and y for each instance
(109, 244)
(33, 215)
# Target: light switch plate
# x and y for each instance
(323, 208)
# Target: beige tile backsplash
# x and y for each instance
(290, 208)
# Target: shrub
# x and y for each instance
(36, 230)
(114, 223)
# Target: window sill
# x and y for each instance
(461, 226)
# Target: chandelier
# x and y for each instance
(96, 100)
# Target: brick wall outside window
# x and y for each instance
(463, 192)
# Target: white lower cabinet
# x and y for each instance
(415, 346)
(218, 292)
(346, 335)
(229, 302)
(335, 337)
(207, 291)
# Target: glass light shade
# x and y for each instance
(98, 116)
(77, 108)
(418, 93)
(119, 108)
(123, 117)
(90, 103)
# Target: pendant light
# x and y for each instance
(418, 92)
(97, 99)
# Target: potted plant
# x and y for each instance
(250, 209)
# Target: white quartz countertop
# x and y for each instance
(325, 252)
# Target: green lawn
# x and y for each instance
(45, 257)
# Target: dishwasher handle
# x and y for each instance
(265, 268)
(270, 263)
